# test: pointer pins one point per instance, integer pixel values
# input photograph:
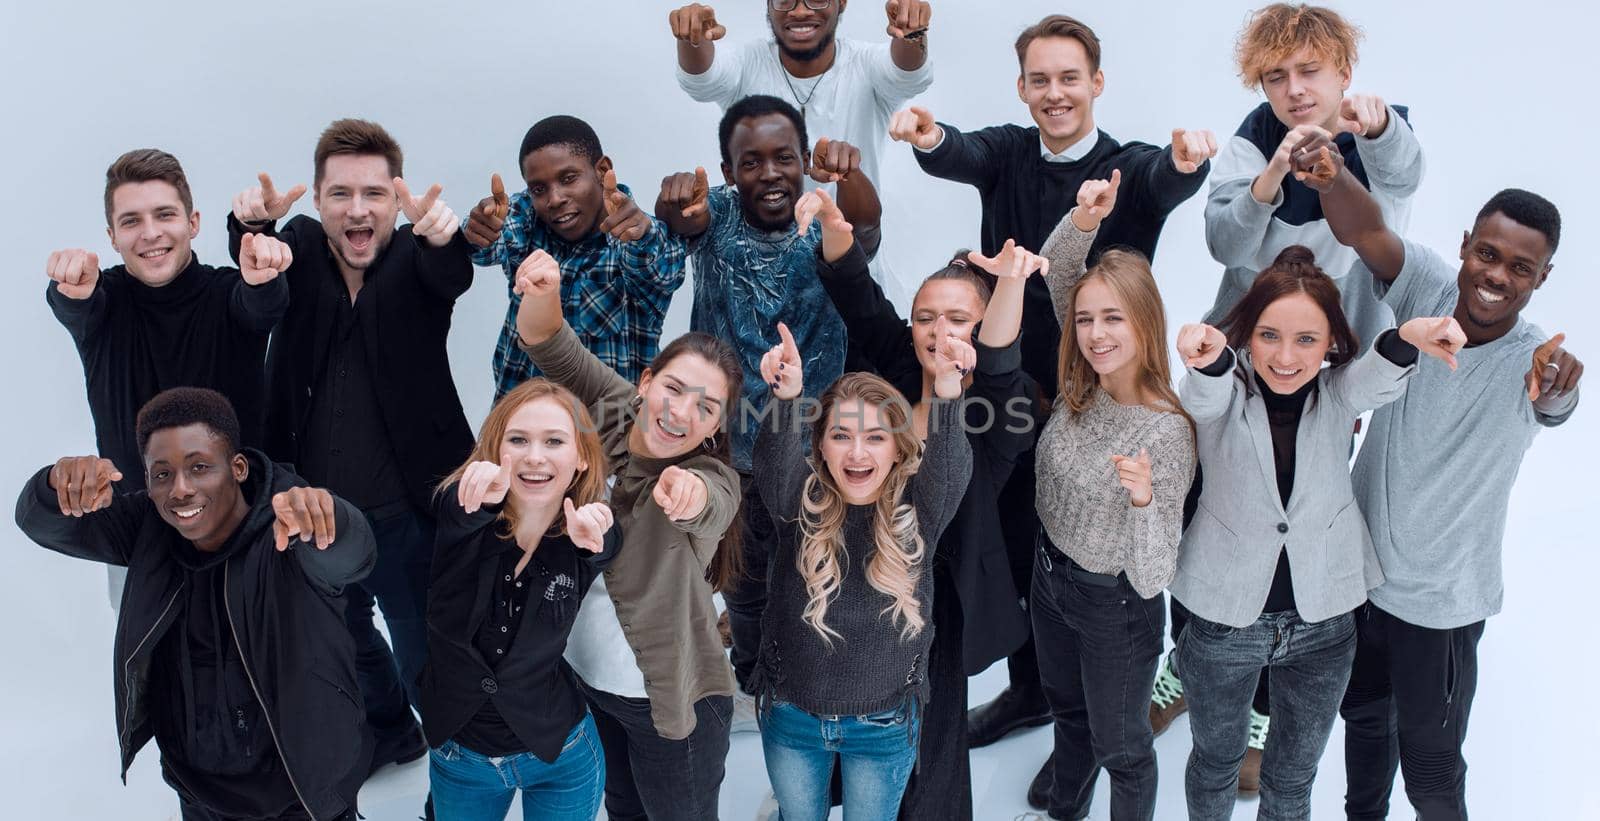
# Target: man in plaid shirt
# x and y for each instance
(619, 266)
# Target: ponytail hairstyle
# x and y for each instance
(1294, 271)
(727, 564)
(900, 548)
(588, 486)
(961, 269)
(1127, 274)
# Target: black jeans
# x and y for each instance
(1263, 698)
(1019, 526)
(746, 598)
(1099, 643)
(1407, 706)
(1310, 663)
(941, 784)
(195, 812)
(399, 586)
(659, 779)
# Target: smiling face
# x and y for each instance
(683, 406)
(1105, 336)
(1306, 88)
(767, 163)
(541, 447)
(566, 189)
(1059, 87)
(859, 449)
(358, 206)
(194, 483)
(152, 230)
(1289, 343)
(1502, 263)
(804, 33)
(957, 302)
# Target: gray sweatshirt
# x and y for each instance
(1435, 472)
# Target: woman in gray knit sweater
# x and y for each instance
(1114, 463)
(858, 507)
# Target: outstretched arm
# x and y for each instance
(1352, 214)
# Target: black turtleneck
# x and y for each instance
(206, 328)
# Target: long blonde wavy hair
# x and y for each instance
(822, 554)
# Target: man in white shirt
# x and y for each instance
(844, 88)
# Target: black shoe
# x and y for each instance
(1011, 710)
(402, 748)
(427, 808)
(1039, 789)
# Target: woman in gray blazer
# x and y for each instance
(1278, 555)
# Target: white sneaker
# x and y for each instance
(744, 714)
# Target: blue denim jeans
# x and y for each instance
(469, 786)
(398, 584)
(1099, 643)
(1309, 665)
(876, 754)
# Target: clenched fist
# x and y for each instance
(1199, 345)
(75, 272)
(83, 483)
(262, 258)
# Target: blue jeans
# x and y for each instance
(1309, 665)
(399, 586)
(1099, 643)
(469, 786)
(876, 754)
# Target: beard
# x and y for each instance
(809, 54)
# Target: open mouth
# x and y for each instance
(565, 220)
(668, 434)
(1284, 373)
(360, 239)
(803, 31)
(1057, 110)
(774, 199)
(1488, 297)
(1103, 350)
(155, 254)
(1302, 109)
(859, 476)
(535, 480)
(187, 515)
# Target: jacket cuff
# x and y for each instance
(999, 361)
(1224, 363)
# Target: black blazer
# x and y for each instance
(993, 622)
(413, 287)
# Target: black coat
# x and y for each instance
(413, 289)
(284, 614)
(993, 621)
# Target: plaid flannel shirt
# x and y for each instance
(613, 294)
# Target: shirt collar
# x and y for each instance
(1072, 153)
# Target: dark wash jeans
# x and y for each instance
(1309, 665)
(1099, 644)
(654, 778)
(1407, 707)
(399, 586)
(746, 598)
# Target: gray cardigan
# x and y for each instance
(1230, 551)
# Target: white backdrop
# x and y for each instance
(1501, 95)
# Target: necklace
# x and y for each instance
(810, 94)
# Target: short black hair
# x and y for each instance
(181, 407)
(1525, 208)
(561, 129)
(758, 105)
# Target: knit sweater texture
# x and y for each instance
(869, 667)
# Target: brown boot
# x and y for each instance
(1250, 769)
(1166, 700)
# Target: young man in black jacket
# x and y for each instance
(361, 397)
(1027, 179)
(162, 319)
(229, 649)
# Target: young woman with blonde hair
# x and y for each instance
(858, 503)
(523, 531)
(1114, 463)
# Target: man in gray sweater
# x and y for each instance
(1438, 538)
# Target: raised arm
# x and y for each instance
(1208, 382)
(946, 468)
(547, 340)
(1352, 214)
(1167, 177)
(73, 295)
(1067, 247)
(696, 29)
(261, 297)
(908, 33)
(784, 437)
(1388, 147)
(1246, 188)
(70, 507)
(836, 161)
(877, 332)
(684, 203)
(329, 536)
(944, 151)
(838, 235)
(1002, 321)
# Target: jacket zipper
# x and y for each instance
(127, 676)
(265, 712)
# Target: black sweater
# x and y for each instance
(998, 407)
(868, 667)
(1024, 196)
(206, 328)
(527, 701)
(284, 619)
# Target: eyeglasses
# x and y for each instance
(789, 5)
